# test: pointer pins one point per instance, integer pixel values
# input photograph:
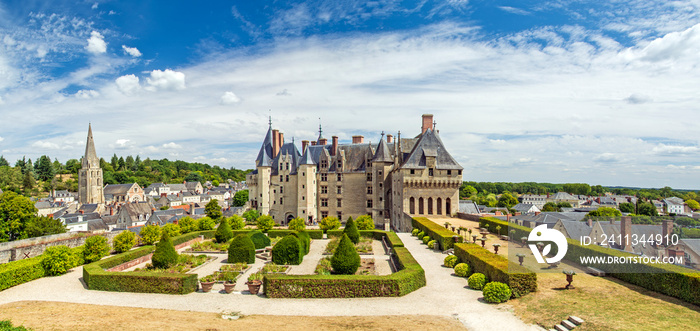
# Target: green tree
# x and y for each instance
(240, 198)
(150, 234)
(213, 210)
(467, 191)
(215, 183)
(627, 207)
(647, 209)
(265, 223)
(95, 248)
(3, 161)
(236, 222)
(165, 255)
(604, 212)
(16, 212)
(173, 230)
(561, 205)
(666, 191)
(507, 200)
(28, 182)
(124, 241)
(329, 223)
(43, 226)
(206, 223)
(251, 216)
(550, 207)
(194, 176)
(345, 260)
(241, 250)
(351, 231)
(44, 168)
(365, 222)
(223, 232)
(297, 224)
(692, 204)
(115, 162)
(187, 225)
(57, 260)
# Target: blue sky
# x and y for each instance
(557, 91)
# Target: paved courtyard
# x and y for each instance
(445, 295)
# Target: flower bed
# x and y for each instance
(235, 267)
(324, 267)
(364, 247)
(272, 268)
(208, 246)
(185, 263)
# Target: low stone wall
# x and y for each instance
(32, 247)
(469, 217)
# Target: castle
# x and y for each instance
(391, 181)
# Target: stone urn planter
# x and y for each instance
(474, 237)
(254, 283)
(569, 278)
(206, 285)
(483, 242)
(228, 287)
(523, 242)
(521, 258)
(495, 248)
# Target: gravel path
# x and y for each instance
(308, 265)
(444, 295)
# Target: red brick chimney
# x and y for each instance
(323, 141)
(589, 222)
(334, 149)
(626, 232)
(275, 142)
(304, 144)
(313, 143)
(358, 139)
(389, 138)
(427, 122)
(666, 230)
(281, 140)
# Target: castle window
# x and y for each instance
(340, 177)
(324, 214)
(380, 173)
(324, 189)
(369, 177)
(340, 203)
(281, 178)
(287, 165)
(324, 202)
(369, 203)
(380, 184)
(340, 190)
(380, 199)
(324, 164)
(340, 164)
(413, 171)
(340, 215)
(287, 178)
(280, 166)
(324, 177)
(369, 189)
(459, 172)
(449, 172)
(281, 201)
(430, 172)
(303, 198)
(281, 189)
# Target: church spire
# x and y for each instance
(90, 159)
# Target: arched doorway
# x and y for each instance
(439, 206)
(412, 205)
(289, 218)
(421, 206)
(448, 207)
(430, 206)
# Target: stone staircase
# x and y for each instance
(568, 324)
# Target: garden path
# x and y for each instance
(308, 265)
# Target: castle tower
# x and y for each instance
(90, 175)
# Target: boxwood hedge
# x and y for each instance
(436, 232)
(497, 268)
(409, 278)
(22, 271)
(260, 240)
(313, 234)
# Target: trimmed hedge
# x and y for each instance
(19, 272)
(409, 278)
(314, 234)
(97, 278)
(260, 240)
(497, 268)
(436, 232)
(305, 240)
(391, 237)
(289, 250)
(241, 250)
(345, 260)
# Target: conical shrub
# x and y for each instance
(241, 250)
(223, 232)
(304, 239)
(165, 255)
(345, 260)
(351, 231)
(289, 250)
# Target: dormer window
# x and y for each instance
(430, 172)
(324, 164)
(340, 164)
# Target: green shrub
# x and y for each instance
(462, 270)
(497, 268)
(251, 216)
(236, 222)
(150, 234)
(305, 240)
(265, 223)
(241, 250)
(444, 237)
(329, 223)
(426, 239)
(450, 261)
(365, 222)
(415, 232)
(21, 271)
(351, 231)
(297, 224)
(496, 292)
(431, 243)
(187, 225)
(345, 260)
(165, 255)
(7, 326)
(420, 235)
(172, 229)
(124, 241)
(476, 281)
(223, 232)
(288, 251)
(206, 223)
(260, 240)
(58, 260)
(95, 248)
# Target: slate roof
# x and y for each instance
(576, 229)
(89, 207)
(383, 153)
(523, 207)
(265, 154)
(430, 145)
(693, 244)
(563, 196)
(177, 187)
(75, 217)
(90, 159)
(468, 207)
(97, 224)
(287, 149)
(117, 189)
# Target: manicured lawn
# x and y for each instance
(604, 304)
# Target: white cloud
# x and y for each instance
(230, 98)
(606, 158)
(133, 51)
(128, 84)
(45, 145)
(95, 5)
(636, 99)
(96, 43)
(171, 145)
(675, 149)
(674, 45)
(166, 80)
(87, 94)
(514, 10)
(1, 139)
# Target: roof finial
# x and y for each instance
(270, 118)
(382, 133)
(319, 127)
(434, 125)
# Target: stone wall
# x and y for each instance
(32, 247)
(469, 217)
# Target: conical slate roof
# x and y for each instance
(307, 159)
(383, 153)
(90, 159)
(430, 145)
(264, 158)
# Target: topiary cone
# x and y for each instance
(241, 250)
(351, 231)
(165, 254)
(345, 260)
(223, 232)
